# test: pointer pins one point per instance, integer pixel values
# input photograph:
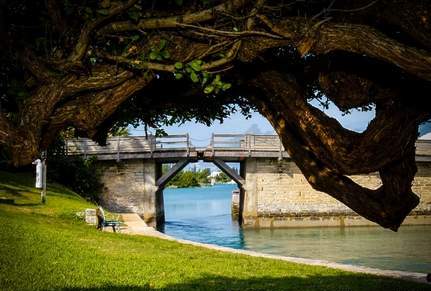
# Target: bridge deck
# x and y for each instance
(228, 147)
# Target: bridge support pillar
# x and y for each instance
(131, 187)
(249, 193)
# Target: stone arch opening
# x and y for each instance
(162, 180)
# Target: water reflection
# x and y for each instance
(203, 215)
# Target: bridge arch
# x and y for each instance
(164, 179)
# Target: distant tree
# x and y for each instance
(119, 131)
(222, 178)
(186, 179)
(203, 175)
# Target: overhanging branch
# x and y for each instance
(174, 21)
(354, 38)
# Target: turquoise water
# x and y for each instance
(203, 215)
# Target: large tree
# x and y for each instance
(98, 64)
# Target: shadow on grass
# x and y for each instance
(28, 204)
(340, 282)
(10, 189)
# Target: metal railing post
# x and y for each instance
(249, 144)
(212, 143)
(118, 148)
(188, 144)
(85, 149)
(152, 143)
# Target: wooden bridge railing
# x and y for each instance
(118, 145)
(248, 142)
(180, 144)
(134, 144)
(129, 144)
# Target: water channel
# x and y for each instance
(204, 215)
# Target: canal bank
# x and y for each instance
(136, 226)
(204, 215)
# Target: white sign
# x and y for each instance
(39, 173)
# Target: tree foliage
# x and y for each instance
(99, 65)
(222, 178)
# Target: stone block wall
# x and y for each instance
(130, 187)
(277, 194)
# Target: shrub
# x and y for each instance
(82, 175)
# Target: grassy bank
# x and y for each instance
(47, 248)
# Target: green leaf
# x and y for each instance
(226, 86)
(135, 37)
(188, 69)
(194, 77)
(153, 55)
(165, 54)
(162, 44)
(93, 61)
(196, 65)
(178, 76)
(204, 80)
(208, 89)
(217, 81)
(206, 77)
(178, 65)
(103, 11)
(159, 57)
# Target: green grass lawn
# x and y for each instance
(44, 247)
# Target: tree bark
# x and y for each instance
(283, 103)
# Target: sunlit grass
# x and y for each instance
(45, 247)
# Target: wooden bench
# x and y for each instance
(100, 214)
(115, 224)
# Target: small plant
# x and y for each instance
(210, 83)
(160, 52)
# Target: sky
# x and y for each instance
(200, 134)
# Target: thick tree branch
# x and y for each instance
(354, 38)
(387, 205)
(89, 111)
(343, 150)
(101, 78)
(84, 38)
(143, 65)
(174, 21)
(232, 34)
(35, 66)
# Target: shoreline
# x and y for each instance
(139, 227)
(200, 186)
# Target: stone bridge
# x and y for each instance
(273, 192)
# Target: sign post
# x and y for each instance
(41, 176)
(43, 193)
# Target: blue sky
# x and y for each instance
(200, 134)
(237, 123)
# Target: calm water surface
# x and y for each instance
(204, 215)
